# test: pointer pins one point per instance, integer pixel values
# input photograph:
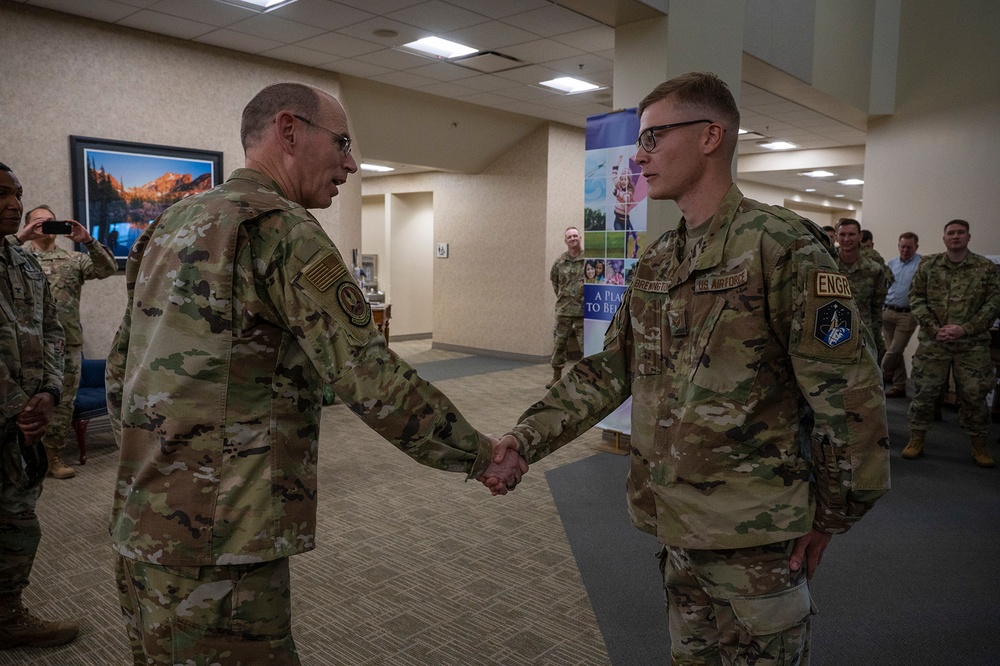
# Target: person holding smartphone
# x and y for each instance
(66, 271)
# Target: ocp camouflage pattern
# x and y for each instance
(566, 276)
(869, 288)
(232, 331)
(747, 427)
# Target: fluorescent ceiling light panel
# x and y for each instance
(376, 167)
(440, 48)
(261, 5)
(569, 85)
(778, 145)
(851, 181)
(810, 189)
(819, 173)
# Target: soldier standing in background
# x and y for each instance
(66, 271)
(31, 358)
(740, 346)
(240, 312)
(955, 297)
(567, 281)
(867, 278)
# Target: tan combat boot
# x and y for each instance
(915, 447)
(556, 376)
(980, 453)
(19, 627)
(57, 468)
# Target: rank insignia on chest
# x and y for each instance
(353, 303)
(834, 324)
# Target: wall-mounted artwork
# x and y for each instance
(120, 187)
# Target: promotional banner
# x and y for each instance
(614, 229)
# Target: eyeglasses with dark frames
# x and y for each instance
(343, 141)
(647, 138)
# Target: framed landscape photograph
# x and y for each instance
(120, 187)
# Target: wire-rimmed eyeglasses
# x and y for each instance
(343, 141)
(647, 138)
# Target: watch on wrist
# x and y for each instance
(53, 391)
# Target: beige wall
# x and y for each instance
(66, 75)
(411, 262)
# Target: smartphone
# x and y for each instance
(56, 227)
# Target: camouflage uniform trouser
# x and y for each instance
(55, 432)
(740, 607)
(973, 370)
(565, 327)
(20, 533)
(897, 329)
(197, 616)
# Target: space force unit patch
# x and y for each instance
(834, 324)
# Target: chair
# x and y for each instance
(91, 400)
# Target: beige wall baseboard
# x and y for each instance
(411, 336)
(529, 358)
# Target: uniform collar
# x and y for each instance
(257, 177)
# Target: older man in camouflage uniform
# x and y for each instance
(240, 312)
(66, 271)
(31, 357)
(758, 419)
(867, 277)
(955, 297)
(567, 281)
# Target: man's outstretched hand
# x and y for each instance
(505, 472)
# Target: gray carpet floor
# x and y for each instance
(415, 567)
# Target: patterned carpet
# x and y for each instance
(413, 566)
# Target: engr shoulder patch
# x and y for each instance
(353, 303)
(832, 285)
(834, 324)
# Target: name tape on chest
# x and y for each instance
(832, 285)
(721, 282)
(649, 285)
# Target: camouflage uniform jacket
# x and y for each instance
(966, 293)
(871, 253)
(757, 412)
(869, 287)
(66, 272)
(240, 312)
(31, 340)
(567, 281)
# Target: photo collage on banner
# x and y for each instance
(614, 228)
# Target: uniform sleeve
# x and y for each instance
(982, 319)
(918, 301)
(838, 378)
(878, 305)
(98, 263)
(53, 341)
(313, 290)
(554, 277)
(592, 389)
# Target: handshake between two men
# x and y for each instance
(507, 468)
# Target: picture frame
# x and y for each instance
(120, 187)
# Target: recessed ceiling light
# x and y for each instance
(439, 48)
(819, 173)
(376, 167)
(569, 85)
(778, 145)
(839, 196)
(810, 189)
(259, 5)
(743, 131)
(851, 181)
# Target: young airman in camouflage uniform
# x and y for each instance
(567, 281)
(867, 278)
(955, 297)
(758, 419)
(31, 356)
(66, 271)
(240, 312)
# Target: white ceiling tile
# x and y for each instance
(238, 41)
(525, 93)
(133, 3)
(495, 9)
(297, 54)
(490, 36)
(486, 99)
(102, 10)
(337, 44)
(445, 89)
(215, 13)
(322, 14)
(394, 59)
(404, 80)
(541, 50)
(165, 24)
(442, 71)
(380, 6)
(600, 38)
(488, 83)
(592, 65)
(366, 30)
(276, 28)
(551, 20)
(437, 16)
(532, 74)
